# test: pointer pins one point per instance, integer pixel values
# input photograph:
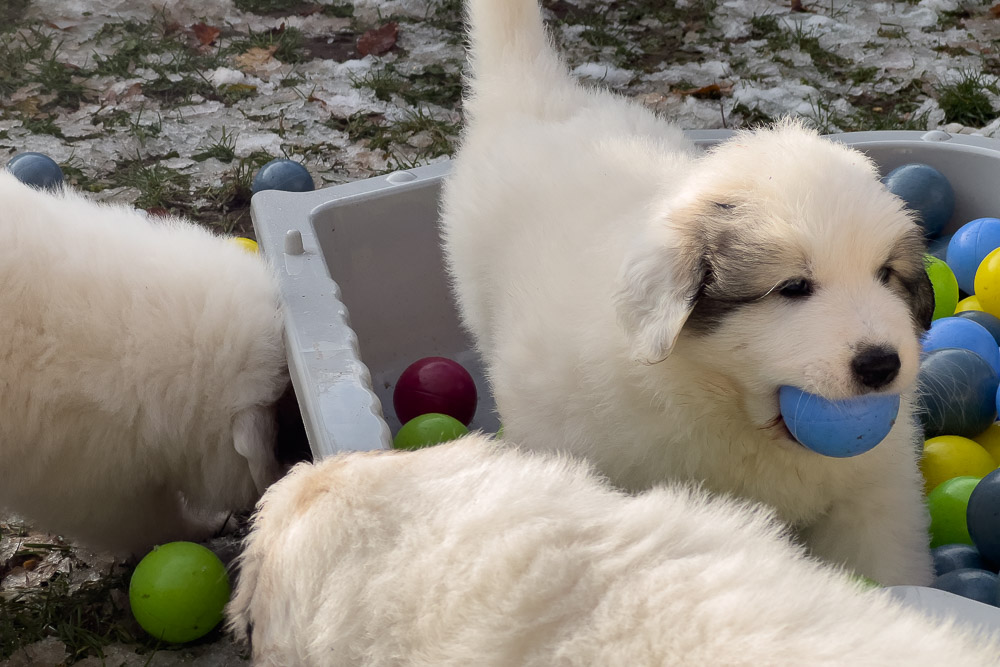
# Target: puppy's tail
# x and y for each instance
(513, 64)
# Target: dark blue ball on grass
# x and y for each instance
(983, 516)
(984, 319)
(956, 393)
(948, 557)
(283, 174)
(36, 170)
(926, 192)
(979, 585)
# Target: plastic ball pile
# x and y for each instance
(958, 388)
(435, 398)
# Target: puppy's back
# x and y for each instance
(469, 553)
(128, 346)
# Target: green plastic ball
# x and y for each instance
(865, 582)
(432, 428)
(945, 286)
(178, 592)
(948, 504)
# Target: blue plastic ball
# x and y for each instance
(36, 169)
(939, 247)
(968, 248)
(282, 174)
(966, 334)
(838, 428)
(979, 585)
(983, 516)
(948, 557)
(990, 322)
(957, 393)
(926, 192)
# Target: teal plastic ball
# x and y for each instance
(283, 174)
(926, 191)
(36, 170)
(980, 585)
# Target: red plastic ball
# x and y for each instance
(435, 384)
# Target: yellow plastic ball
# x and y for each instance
(990, 441)
(987, 283)
(247, 244)
(969, 303)
(948, 456)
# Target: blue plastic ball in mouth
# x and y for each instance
(838, 428)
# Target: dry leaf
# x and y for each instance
(206, 34)
(255, 57)
(712, 91)
(379, 40)
(797, 6)
(995, 11)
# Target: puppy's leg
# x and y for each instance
(880, 531)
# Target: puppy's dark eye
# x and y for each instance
(884, 274)
(796, 288)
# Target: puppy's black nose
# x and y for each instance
(875, 367)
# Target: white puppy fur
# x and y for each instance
(640, 304)
(139, 360)
(471, 553)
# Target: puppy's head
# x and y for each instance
(783, 261)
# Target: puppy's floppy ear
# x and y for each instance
(254, 434)
(657, 287)
(921, 299)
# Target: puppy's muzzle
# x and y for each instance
(875, 367)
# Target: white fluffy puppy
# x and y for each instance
(139, 360)
(640, 304)
(474, 554)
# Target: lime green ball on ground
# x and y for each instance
(947, 504)
(945, 286)
(178, 592)
(432, 428)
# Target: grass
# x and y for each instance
(967, 101)
(891, 111)
(284, 41)
(432, 85)
(158, 186)
(392, 139)
(222, 149)
(85, 619)
(31, 56)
